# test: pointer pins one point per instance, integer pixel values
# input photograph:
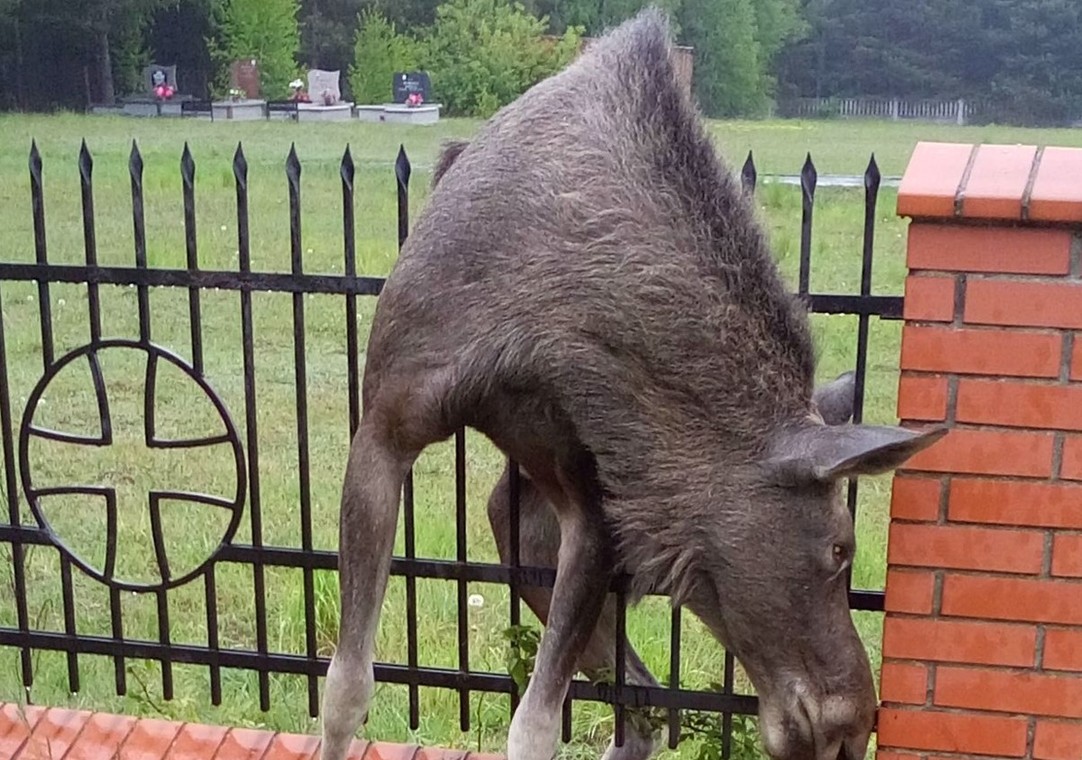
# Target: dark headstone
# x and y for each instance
(407, 83)
(244, 76)
(156, 74)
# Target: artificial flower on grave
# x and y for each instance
(298, 95)
(162, 89)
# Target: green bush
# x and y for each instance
(266, 30)
(380, 52)
(129, 53)
(482, 54)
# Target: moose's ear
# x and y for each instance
(836, 399)
(824, 453)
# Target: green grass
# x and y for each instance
(192, 532)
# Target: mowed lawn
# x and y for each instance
(193, 531)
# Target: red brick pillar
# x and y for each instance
(982, 643)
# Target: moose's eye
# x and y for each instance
(842, 555)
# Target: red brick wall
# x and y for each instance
(982, 643)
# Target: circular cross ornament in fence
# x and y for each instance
(113, 437)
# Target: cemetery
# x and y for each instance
(317, 100)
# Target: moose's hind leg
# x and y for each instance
(540, 547)
(380, 456)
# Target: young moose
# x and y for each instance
(589, 288)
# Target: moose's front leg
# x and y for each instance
(582, 580)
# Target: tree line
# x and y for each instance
(1022, 58)
(1023, 55)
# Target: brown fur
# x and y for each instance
(450, 150)
(647, 261)
(589, 287)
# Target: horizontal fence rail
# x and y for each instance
(244, 506)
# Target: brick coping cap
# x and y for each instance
(26, 730)
(993, 182)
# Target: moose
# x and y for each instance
(589, 287)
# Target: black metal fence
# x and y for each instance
(19, 431)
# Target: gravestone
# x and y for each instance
(323, 89)
(411, 102)
(158, 95)
(407, 83)
(156, 74)
(244, 76)
(248, 104)
(326, 99)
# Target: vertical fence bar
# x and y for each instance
(808, 179)
(195, 321)
(514, 496)
(565, 723)
(90, 244)
(411, 599)
(872, 179)
(727, 717)
(462, 555)
(293, 174)
(674, 675)
(349, 240)
(240, 174)
(402, 176)
(211, 595)
(18, 559)
(41, 255)
(86, 184)
(116, 619)
(621, 666)
(135, 169)
(748, 174)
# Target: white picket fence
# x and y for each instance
(944, 111)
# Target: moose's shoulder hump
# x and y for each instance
(642, 44)
(646, 32)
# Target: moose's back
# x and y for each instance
(588, 246)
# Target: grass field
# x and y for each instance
(191, 532)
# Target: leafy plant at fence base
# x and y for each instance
(523, 642)
(265, 30)
(703, 728)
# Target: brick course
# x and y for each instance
(982, 641)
